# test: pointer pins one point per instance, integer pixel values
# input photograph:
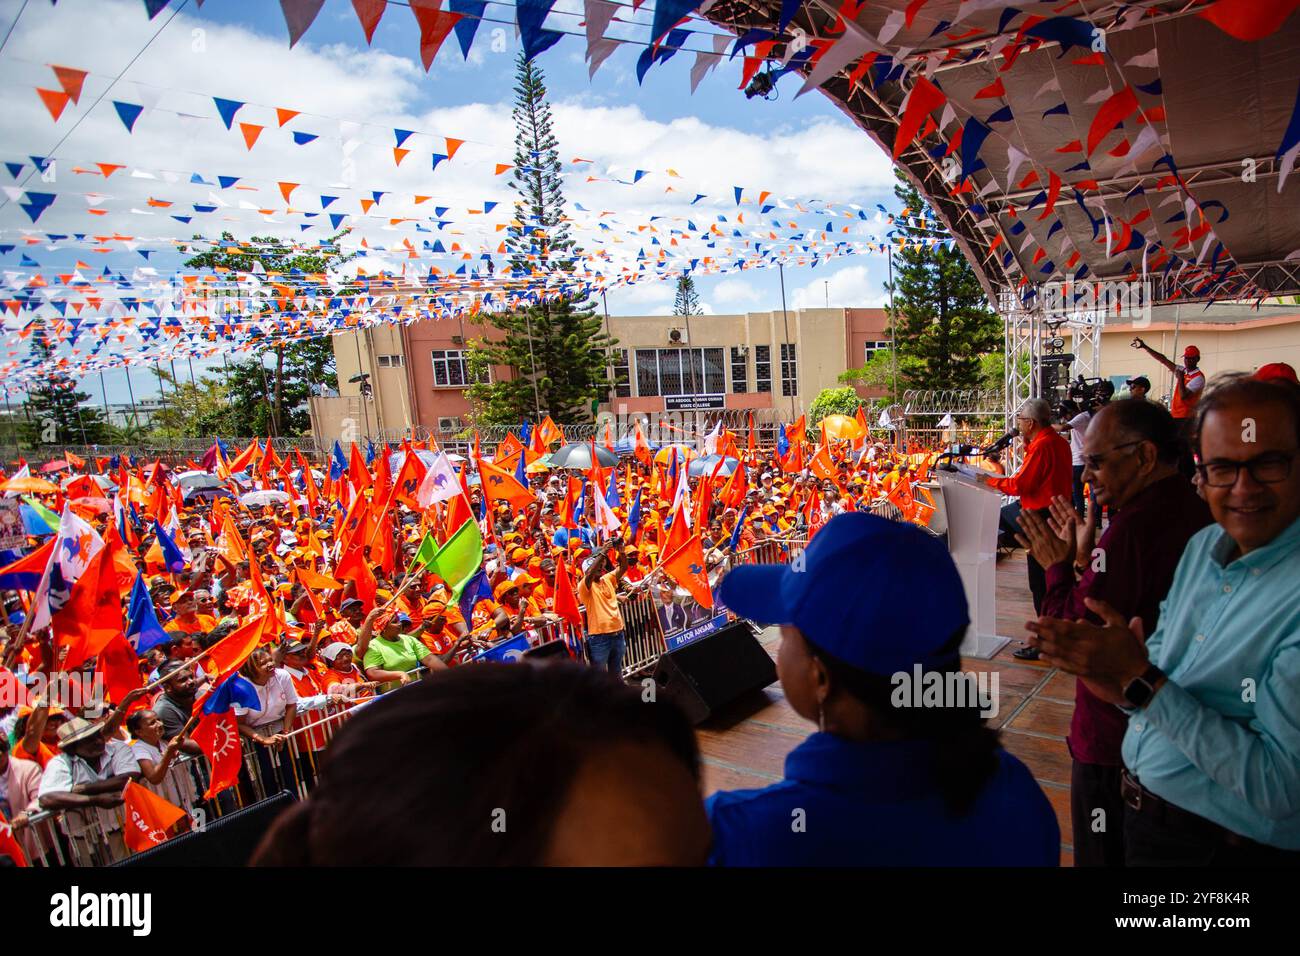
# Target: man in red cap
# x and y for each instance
(1189, 380)
(1277, 372)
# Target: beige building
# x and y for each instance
(1231, 338)
(416, 375)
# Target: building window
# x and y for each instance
(622, 379)
(739, 371)
(450, 368)
(763, 367)
(680, 372)
(871, 348)
(789, 370)
(390, 361)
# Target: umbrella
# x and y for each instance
(684, 454)
(577, 455)
(627, 445)
(703, 467)
(317, 476)
(540, 465)
(206, 493)
(258, 499)
(104, 482)
(29, 484)
(56, 465)
(841, 428)
(398, 458)
(187, 480)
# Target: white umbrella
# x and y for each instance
(259, 499)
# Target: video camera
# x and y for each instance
(1084, 394)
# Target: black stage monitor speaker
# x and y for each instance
(709, 674)
(226, 841)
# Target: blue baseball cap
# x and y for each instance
(878, 595)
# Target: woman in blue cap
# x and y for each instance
(902, 770)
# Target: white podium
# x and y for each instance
(973, 511)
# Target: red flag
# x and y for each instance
(218, 737)
(923, 100)
(91, 618)
(686, 567)
(9, 845)
(228, 654)
(148, 817)
(1249, 20)
(355, 568)
(121, 672)
(358, 473)
(566, 601)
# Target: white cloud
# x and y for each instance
(735, 292)
(851, 287)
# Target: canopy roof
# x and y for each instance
(1091, 140)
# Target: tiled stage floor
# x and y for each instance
(747, 747)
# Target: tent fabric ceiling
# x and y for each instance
(1182, 190)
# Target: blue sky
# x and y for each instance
(800, 148)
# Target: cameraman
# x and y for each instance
(1074, 427)
(1044, 474)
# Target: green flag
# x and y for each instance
(45, 514)
(424, 557)
(458, 559)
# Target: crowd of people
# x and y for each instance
(346, 605)
(1168, 598)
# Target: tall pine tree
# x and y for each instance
(688, 300)
(55, 413)
(554, 342)
(944, 324)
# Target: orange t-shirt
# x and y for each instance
(601, 600)
(44, 753)
(201, 624)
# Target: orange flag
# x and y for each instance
(9, 846)
(500, 485)
(566, 601)
(355, 568)
(228, 654)
(358, 473)
(678, 533)
(686, 567)
(550, 432)
(148, 817)
(821, 464)
(314, 580)
(408, 480)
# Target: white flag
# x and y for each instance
(606, 520)
(440, 482)
(75, 544)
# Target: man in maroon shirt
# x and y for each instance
(1131, 454)
(1046, 472)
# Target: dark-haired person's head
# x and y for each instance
(529, 765)
(181, 681)
(840, 659)
(1129, 446)
(1248, 437)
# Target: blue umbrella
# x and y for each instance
(703, 467)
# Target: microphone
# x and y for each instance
(1002, 442)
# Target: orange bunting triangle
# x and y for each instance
(55, 101)
(284, 115)
(70, 80)
(251, 131)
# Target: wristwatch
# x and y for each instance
(1139, 691)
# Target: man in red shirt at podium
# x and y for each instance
(1045, 472)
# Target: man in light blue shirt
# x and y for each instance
(1212, 750)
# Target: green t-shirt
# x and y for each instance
(402, 654)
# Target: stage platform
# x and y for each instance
(747, 747)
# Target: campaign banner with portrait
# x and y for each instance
(12, 534)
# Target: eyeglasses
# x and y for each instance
(1267, 469)
(1096, 461)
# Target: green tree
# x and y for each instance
(554, 342)
(55, 413)
(942, 315)
(688, 300)
(272, 400)
(833, 401)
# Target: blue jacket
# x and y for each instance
(844, 803)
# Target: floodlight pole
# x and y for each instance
(135, 412)
(785, 318)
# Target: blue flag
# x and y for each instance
(580, 512)
(782, 443)
(521, 476)
(338, 462)
(477, 589)
(233, 690)
(370, 453)
(525, 433)
(611, 494)
(172, 556)
(634, 516)
(143, 630)
(735, 532)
